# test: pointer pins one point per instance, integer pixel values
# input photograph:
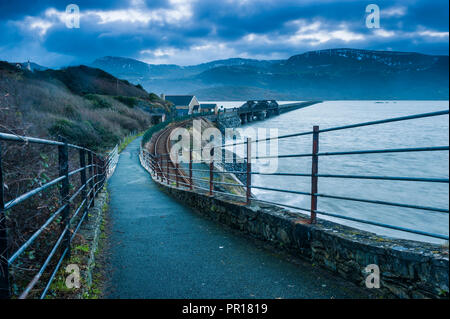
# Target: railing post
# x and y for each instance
(234, 150)
(159, 168)
(95, 174)
(4, 273)
(177, 166)
(83, 179)
(223, 150)
(249, 169)
(153, 165)
(314, 172)
(102, 172)
(91, 175)
(155, 160)
(63, 159)
(167, 170)
(211, 174)
(190, 168)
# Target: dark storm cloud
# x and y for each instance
(206, 28)
(19, 8)
(268, 16)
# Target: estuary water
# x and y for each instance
(413, 133)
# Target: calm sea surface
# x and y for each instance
(413, 133)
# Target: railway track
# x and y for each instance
(161, 149)
(160, 145)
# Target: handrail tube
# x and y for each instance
(19, 138)
(395, 119)
(284, 205)
(37, 190)
(388, 150)
(392, 150)
(39, 231)
(359, 220)
(35, 235)
(434, 209)
(418, 232)
(387, 178)
(355, 199)
(282, 190)
(228, 184)
(44, 266)
(75, 214)
(35, 140)
(44, 292)
(29, 194)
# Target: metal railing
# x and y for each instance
(93, 171)
(154, 163)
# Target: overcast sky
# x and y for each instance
(190, 32)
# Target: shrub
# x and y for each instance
(98, 102)
(106, 136)
(70, 112)
(80, 133)
(153, 97)
(127, 100)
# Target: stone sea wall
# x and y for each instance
(408, 269)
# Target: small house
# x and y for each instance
(184, 104)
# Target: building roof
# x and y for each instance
(180, 100)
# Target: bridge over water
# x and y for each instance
(262, 109)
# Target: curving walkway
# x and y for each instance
(161, 249)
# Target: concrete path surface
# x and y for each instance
(161, 249)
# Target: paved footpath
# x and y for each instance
(161, 249)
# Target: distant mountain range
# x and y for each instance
(319, 75)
